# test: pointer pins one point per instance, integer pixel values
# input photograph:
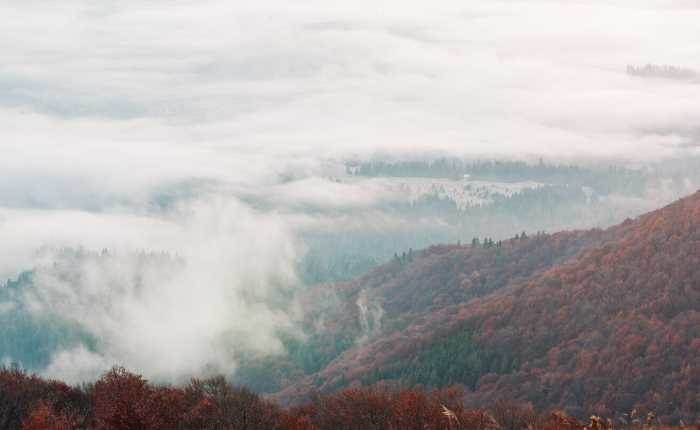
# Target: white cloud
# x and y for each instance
(105, 104)
(324, 78)
(169, 318)
(77, 365)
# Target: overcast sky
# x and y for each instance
(190, 87)
(102, 103)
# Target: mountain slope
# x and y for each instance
(587, 321)
(617, 327)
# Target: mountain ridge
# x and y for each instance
(602, 320)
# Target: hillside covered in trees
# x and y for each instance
(440, 200)
(588, 321)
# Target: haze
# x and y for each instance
(206, 130)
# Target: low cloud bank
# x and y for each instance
(211, 131)
(221, 288)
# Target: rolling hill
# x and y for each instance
(588, 321)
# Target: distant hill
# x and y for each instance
(599, 320)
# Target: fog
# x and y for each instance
(213, 131)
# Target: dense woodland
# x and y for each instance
(570, 196)
(120, 400)
(590, 321)
(662, 71)
(604, 179)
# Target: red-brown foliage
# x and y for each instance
(120, 401)
(44, 417)
(218, 405)
(380, 408)
(613, 329)
(597, 322)
(593, 322)
(21, 393)
(124, 400)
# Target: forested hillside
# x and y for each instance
(601, 320)
(423, 202)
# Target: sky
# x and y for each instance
(105, 104)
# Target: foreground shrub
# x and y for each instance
(121, 400)
(22, 394)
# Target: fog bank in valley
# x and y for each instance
(168, 166)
